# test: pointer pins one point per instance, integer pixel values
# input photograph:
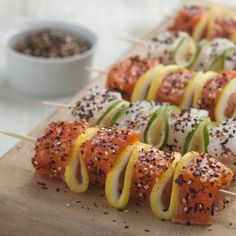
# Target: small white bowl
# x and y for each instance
(48, 76)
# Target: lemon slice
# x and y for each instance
(158, 79)
(227, 97)
(126, 159)
(233, 37)
(157, 129)
(201, 26)
(75, 184)
(143, 84)
(195, 139)
(156, 203)
(106, 119)
(202, 80)
(189, 91)
(216, 12)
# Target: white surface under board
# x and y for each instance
(21, 113)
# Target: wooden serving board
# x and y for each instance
(33, 205)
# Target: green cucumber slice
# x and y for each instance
(117, 116)
(200, 46)
(185, 52)
(157, 128)
(229, 50)
(218, 64)
(206, 134)
(195, 141)
(106, 119)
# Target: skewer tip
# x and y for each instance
(19, 136)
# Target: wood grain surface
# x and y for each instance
(33, 205)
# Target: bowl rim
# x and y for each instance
(17, 29)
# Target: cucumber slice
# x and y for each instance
(142, 86)
(163, 46)
(118, 115)
(155, 131)
(200, 46)
(211, 52)
(206, 134)
(222, 142)
(195, 139)
(218, 64)
(229, 60)
(157, 128)
(182, 127)
(185, 52)
(137, 116)
(106, 119)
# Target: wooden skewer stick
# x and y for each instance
(32, 139)
(94, 69)
(133, 40)
(20, 136)
(55, 104)
(228, 192)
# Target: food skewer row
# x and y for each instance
(179, 48)
(184, 189)
(144, 79)
(160, 125)
(206, 22)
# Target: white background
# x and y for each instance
(109, 18)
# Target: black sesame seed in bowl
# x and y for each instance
(48, 57)
(52, 43)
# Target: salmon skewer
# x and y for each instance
(115, 158)
(205, 22)
(160, 125)
(178, 86)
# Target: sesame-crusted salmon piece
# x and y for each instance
(102, 150)
(198, 182)
(150, 165)
(188, 18)
(124, 75)
(53, 148)
(212, 92)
